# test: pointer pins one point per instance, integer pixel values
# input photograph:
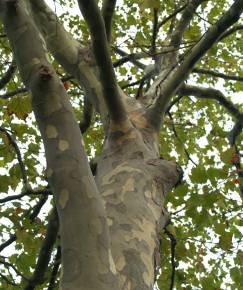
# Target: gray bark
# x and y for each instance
(109, 226)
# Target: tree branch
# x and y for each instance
(32, 214)
(19, 157)
(235, 132)
(13, 93)
(108, 9)
(172, 103)
(92, 16)
(186, 18)
(230, 31)
(77, 198)
(165, 86)
(75, 59)
(9, 265)
(154, 32)
(27, 192)
(8, 75)
(57, 262)
(179, 139)
(210, 93)
(130, 57)
(7, 243)
(217, 74)
(173, 243)
(133, 57)
(45, 253)
(87, 116)
(7, 280)
(171, 16)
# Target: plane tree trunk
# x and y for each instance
(110, 223)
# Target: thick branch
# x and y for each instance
(45, 253)
(210, 93)
(93, 17)
(165, 86)
(235, 132)
(78, 201)
(186, 18)
(230, 31)
(217, 74)
(108, 9)
(75, 59)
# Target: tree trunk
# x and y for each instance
(134, 181)
(110, 223)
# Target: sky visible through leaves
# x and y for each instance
(206, 209)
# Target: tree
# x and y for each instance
(138, 86)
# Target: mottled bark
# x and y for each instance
(83, 225)
(75, 59)
(134, 181)
(110, 226)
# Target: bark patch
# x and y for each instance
(63, 198)
(49, 172)
(63, 145)
(112, 265)
(51, 131)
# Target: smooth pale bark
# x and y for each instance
(86, 255)
(75, 59)
(110, 226)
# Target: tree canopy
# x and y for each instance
(201, 246)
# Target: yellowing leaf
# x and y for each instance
(20, 106)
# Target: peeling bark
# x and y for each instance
(109, 225)
(134, 182)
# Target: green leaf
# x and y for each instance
(225, 241)
(199, 175)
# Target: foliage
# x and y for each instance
(206, 214)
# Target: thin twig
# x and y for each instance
(7, 280)
(217, 74)
(27, 192)
(173, 263)
(8, 75)
(55, 269)
(9, 265)
(19, 157)
(32, 213)
(45, 253)
(178, 138)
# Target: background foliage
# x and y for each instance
(205, 234)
